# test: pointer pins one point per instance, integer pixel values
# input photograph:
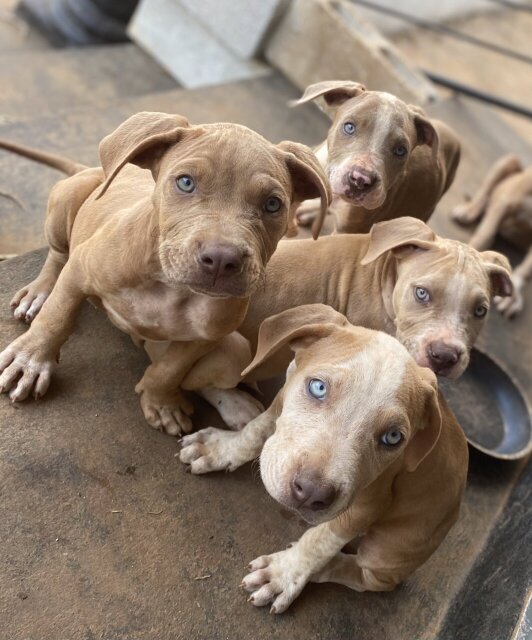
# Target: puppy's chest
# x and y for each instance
(159, 312)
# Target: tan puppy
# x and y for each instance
(432, 293)
(358, 444)
(385, 159)
(504, 202)
(170, 236)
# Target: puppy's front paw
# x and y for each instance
(166, 414)
(465, 213)
(24, 370)
(27, 302)
(211, 450)
(277, 579)
(510, 306)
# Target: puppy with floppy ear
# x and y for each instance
(169, 251)
(385, 159)
(356, 442)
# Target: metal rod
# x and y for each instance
(444, 30)
(478, 95)
(516, 6)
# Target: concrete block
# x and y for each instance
(241, 25)
(185, 48)
(329, 40)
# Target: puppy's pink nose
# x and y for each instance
(310, 491)
(442, 357)
(361, 179)
(220, 260)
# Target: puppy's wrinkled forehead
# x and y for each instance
(371, 368)
(454, 259)
(388, 107)
(233, 153)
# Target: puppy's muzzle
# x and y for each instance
(360, 181)
(220, 260)
(443, 357)
(310, 492)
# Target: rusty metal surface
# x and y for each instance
(104, 535)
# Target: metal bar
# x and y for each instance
(515, 6)
(478, 95)
(444, 30)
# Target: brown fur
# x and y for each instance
(504, 205)
(125, 236)
(410, 185)
(402, 500)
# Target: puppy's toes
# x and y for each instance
(259, 563)
(191, 452)
(255, 580)
(281, 602)
(262, 596)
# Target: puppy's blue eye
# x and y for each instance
(422, 295)
(317, 388)
(392, 437)
(272, 205)
(349, 128)
(480, 311)
(185, 184)
(400, 151)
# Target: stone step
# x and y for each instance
(39, 83)
(260, 104)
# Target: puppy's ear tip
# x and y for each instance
(294, 103)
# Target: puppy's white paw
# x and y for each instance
(277, 579)
(511, 305)
(212, 450)
(24, 371)
(237, 408)
(27, 302)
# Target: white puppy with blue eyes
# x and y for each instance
(357, 442)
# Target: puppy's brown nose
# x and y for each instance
(361, 179)
(311, 491)
(220, 260)
(442, 356)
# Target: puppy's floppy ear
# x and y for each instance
(425, 130)
(141, 140)
(298, 327)
(308, 179)
(334, 92)
(499, 272)
(429, 431)
(401, 236)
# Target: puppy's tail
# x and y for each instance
(50, 159)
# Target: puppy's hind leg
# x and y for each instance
(63, 204)
(215, 377)
(472, 211)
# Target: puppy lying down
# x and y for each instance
(358, 443)
(170, 236)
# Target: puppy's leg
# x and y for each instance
(307, 212)
(512, 305)
(487, 229)
(26, 364)
(344, 569)
(215, 376)
(215, 449)
(63, 204)
(280, 577)
(163, 403)
(471, 211)
(27, 302)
